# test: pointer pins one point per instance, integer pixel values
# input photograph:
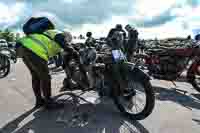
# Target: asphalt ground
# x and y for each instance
(174, 112)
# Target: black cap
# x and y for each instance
(89, 34)
(197, 37)
(118, 26)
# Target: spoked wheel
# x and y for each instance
(4, 66)
(137, 101)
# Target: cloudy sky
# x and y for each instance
(153, 18)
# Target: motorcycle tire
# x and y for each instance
(5, 66)
(149, 106)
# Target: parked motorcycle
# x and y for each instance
(169, 64)
(11, 53)
(4, 65)
(99, 75)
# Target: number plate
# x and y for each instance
(118, 55)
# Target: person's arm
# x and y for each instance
(124, 33)
(111, 32)
(60, 39)
(18, 48)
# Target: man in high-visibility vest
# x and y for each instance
(35, 50)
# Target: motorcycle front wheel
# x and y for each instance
(128, 102)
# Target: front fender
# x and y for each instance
(138, 74)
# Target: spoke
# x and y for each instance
(137, 104)
(129, 105)
(136, 107)
(134, 101)
(137, 88)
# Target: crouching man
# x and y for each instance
(35, 49)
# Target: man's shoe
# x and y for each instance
(39, 103)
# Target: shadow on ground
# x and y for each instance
(196, 96)
(197, 121)
(165, 94)
(76, 118)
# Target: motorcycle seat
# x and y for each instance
(156, 51)
(99, 66)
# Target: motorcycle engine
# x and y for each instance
(74, 70)
(87, 56)
(103, 86)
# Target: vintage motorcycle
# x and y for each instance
(169, 64)
(98, 77)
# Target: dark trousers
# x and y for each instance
(41, 80)
(131, 48)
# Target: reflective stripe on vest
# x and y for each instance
(41, 44)
(48, 34)
(37, 41)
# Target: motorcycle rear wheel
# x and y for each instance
(149, 102)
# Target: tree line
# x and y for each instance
(8, 35)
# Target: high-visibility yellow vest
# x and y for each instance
(42, 45)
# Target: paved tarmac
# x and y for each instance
(174, 112)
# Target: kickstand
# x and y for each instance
(175, 88)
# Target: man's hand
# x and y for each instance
(76, 54)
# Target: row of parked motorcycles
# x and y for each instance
(170, 63)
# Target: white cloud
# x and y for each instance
(101, 30)
(67, 1)
(190, 16)
(168, 30)
(171, 29)
(98, 16)
(9, 14)
(150, 8)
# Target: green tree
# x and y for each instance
(7, 35)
